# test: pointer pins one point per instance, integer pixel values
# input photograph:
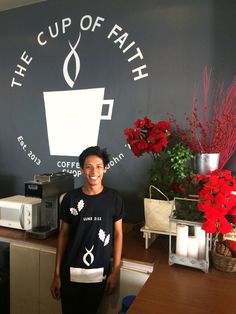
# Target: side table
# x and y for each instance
(150, 235)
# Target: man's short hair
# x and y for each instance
(94, 151)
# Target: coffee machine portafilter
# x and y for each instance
(49, 187)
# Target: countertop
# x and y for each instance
(170, 289)
(180, 289)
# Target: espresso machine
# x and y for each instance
(49, 187)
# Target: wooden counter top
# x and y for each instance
(14, 235)
(170, 289)
(180, 289)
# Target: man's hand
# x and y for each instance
(56, 287)
(112, 282)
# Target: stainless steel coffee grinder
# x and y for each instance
(49, 187)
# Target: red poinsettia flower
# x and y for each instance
(135, 150)
(224, 226)
(141, 123)
(217, 201)
(142, 145)
(232, 245)
(221, 224)
(156, 148)
(132, 133)
(163, 125)
(155, 136)
(147, 136)
(209, 226)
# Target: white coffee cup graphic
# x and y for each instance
(73, 119)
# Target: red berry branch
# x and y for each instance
(211, 126)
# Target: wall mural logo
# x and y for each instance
(72, 108)
(81, 106)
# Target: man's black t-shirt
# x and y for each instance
(90, 244)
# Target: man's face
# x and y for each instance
(93, 170)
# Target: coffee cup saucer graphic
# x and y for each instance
(73, 119)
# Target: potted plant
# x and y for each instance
(169, 171)
(211, 126)
(217, 202)
(171, 159)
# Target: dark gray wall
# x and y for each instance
(177, 39)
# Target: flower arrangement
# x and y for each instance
(217, 201)
(213, 130)
(147, 136)
(170, 167)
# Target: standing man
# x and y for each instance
(90, 234)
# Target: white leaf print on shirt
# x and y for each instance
(107, 240)
(103, 237)
(80, 205)
(74, 211)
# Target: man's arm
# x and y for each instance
(61, 245)
(114, 277)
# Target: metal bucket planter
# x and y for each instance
(207, 162)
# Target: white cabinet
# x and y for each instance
(24, 280)
(47, 304)
(31, 271)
